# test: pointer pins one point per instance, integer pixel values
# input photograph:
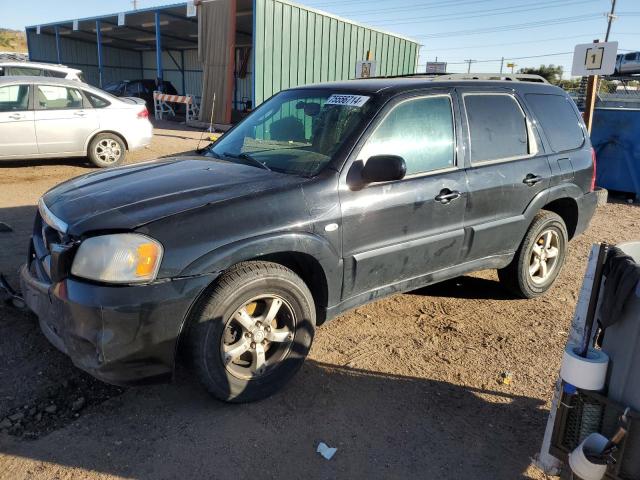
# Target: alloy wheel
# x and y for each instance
(108, 150)
(258, 336)
(544, 256)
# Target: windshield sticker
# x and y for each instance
(347, 100)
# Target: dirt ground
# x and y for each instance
(407, 387)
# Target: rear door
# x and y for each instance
(17, 129)
(507, 169)
(63, 121)
(396, 231)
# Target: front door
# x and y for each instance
(507, 170)
(17, 129)
(63, 121)
(401, 230)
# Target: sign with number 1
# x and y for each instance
(594, 59)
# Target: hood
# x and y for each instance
(128, 197)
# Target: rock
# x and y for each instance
(6, 423)
(33, 411)
(38, 416)
(16, 417)
(78, 404)
(51, 409)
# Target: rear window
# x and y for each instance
(54, 74)
(558, 119)
(497, 127)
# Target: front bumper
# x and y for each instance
(586, 209)
(123, 335)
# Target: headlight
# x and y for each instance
(118, 258)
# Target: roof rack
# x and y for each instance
(513, 77)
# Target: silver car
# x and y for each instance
(50, 117)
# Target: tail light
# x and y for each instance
(593, 175)
(144, 113)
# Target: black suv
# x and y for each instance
(324, 198)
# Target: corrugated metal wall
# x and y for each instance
(119, 64)
(297, 46)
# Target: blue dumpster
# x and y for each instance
(616, 138)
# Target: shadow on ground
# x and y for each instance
(473, 288)
(384, 426)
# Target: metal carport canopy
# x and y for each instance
(148, 29)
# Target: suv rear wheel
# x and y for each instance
(539, 259)
(107, 150)
(252, 332)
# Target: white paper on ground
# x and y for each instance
(326, 451)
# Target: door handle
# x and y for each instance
(447, 196)
(80, 114)
(532, 179)
(16, 116)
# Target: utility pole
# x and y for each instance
(135, 4)
(501, 64)
(469, 62)
(611, 17)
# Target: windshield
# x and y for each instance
(296, 132)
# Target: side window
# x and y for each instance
(54, 74)
(14, 98)
(96, 102)
(22, 71)
(420, 130)
(558, 120)
(497, 127)
(131, 89)
(51, 97)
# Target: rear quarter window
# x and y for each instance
(558, 120)
(95, 101)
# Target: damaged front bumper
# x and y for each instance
(123, 335)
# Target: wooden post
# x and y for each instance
(590, 100)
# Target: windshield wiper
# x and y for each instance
(246, 156)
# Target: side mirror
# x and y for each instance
(384, 168)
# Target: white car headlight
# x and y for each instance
(118, 258)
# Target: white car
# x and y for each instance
(50, 117)
(35, 69)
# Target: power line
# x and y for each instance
(464, 62)
(516, 26)
(485, 13)
(438, 4)
(590, 35)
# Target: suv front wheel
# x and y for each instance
(539, 258)
(252, 332)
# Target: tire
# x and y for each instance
(517, 278)
(226, 356)
(602, 194)
(107, 150)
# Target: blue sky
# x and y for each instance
(451, 30)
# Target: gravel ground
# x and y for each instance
(407, 387)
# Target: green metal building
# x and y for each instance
(276, 44)
(296, 45)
